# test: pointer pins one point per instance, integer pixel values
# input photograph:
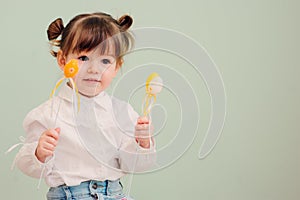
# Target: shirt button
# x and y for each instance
(95, 186)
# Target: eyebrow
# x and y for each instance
(108, 55)
(87, 54)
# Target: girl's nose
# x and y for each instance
(93, 69)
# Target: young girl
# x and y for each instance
(56, 147)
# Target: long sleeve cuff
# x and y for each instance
(28, 163)
(136, 159)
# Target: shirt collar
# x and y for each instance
(103, 99)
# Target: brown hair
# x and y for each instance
(86, 31)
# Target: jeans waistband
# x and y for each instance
(86, 189)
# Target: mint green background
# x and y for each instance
(254, 43)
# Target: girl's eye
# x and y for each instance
(83, 58)
(106, 61)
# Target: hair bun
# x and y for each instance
(125, 22)
(55, 29)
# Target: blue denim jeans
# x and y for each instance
(88, 190)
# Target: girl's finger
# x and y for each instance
(57, 130)
(53, 133)
(143, 120)
(141, 127)
(144, 127)
(52, 141)
(47, 147)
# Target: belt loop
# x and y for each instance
(106, 187)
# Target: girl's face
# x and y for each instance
(96, 71)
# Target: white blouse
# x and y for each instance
(95, 143)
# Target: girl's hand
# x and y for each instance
(47, 144)
(143, 132)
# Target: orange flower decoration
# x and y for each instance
(71, 68)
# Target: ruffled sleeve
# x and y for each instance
(34, 125)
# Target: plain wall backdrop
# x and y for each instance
(255, 45)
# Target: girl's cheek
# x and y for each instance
(76, 78)
(80, 63)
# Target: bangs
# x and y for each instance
(95, 32)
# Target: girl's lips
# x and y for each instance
(91, 80)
